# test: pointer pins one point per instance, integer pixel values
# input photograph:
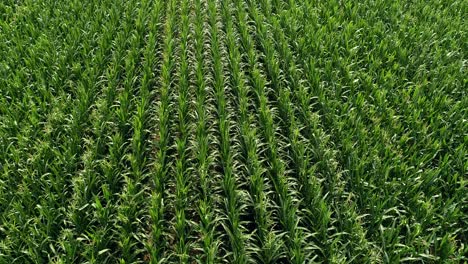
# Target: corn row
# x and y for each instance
(232, 202)
(210, 241)
(182, 172)
(158, 243)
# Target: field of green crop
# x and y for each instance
(233, 131)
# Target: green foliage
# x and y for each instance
(237, 131)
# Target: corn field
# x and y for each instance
(234, 131)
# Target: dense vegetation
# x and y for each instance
(237, 131)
